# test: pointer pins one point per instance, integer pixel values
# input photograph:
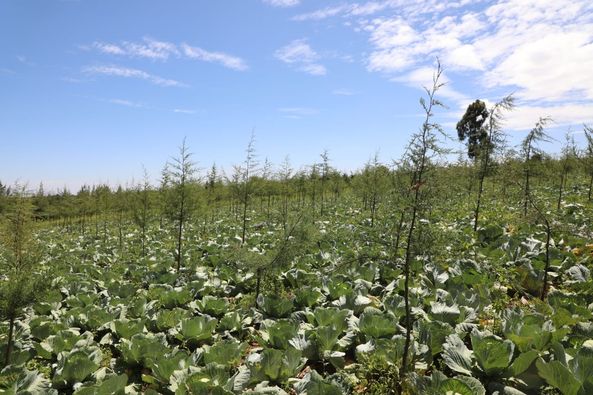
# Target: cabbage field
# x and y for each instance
(423, 277)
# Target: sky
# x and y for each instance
(92, 91)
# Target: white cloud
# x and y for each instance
(300, 54)
(152, 49)
(314, 69)
(343, 92)
(297, 112)
(229, 61)
(111, 49)
(132, 73)
(563, 115)
(282, 3)
(322, 13)
(148, 48)
(557, 66)
(542, 50)
(423, 77)
(126, 103)
(183, 111)
(409, 9)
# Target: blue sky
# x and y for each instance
(93, 90)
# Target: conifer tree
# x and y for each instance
(246, 173)
(142, 203)
(529, 148)
(471, 127)
(589, 158)
(21, 283)
(492, 141)
(567, 160)
(422, 148)
(179, 179)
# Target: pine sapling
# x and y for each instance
(422, 148)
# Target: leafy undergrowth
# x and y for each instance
(331, 323)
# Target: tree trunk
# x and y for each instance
(560, 190)
(547, 268)
(180, 233)
(257, 284)
(526, 194)
(10, 340)
(478, 202)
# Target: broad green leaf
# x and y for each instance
(307, 296)
(163, 366)
(77, 365)
(279, 365)
(456, 355)
(444, 313)
(230, 322)
(455, 387)
(558, 376)
(17, 381)
(196, 329)
(331, 316)
(376, 326)
(493, 354)
(521, 363)
(474, 384)
(125, 328)
(281, 333)
(227, 353)
(114, 385)
(275, 306)
(582, 367)
(214, 306)
(314, 384)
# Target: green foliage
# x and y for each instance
(471, 127)
(196, 329)
(278, 365)
(331, 310)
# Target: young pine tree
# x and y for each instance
(285, 178)
(567, 162)
(325, 171)
(423, 147)
(246, 173)
(181, 202)
(493, 141)
(20, 280)
(141, 208)
(589, 158)
(529, 148)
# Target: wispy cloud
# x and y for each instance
(282, 3)
(147, 48)
(126, 103)
(126, 72)
(22, 59)
(322, 13)
(343, 92)
(153, 49)
(297, 112)
(183, 111)
(423, 77)
(229, 61)
(406, 8)
(299, 54)
(6, 71)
